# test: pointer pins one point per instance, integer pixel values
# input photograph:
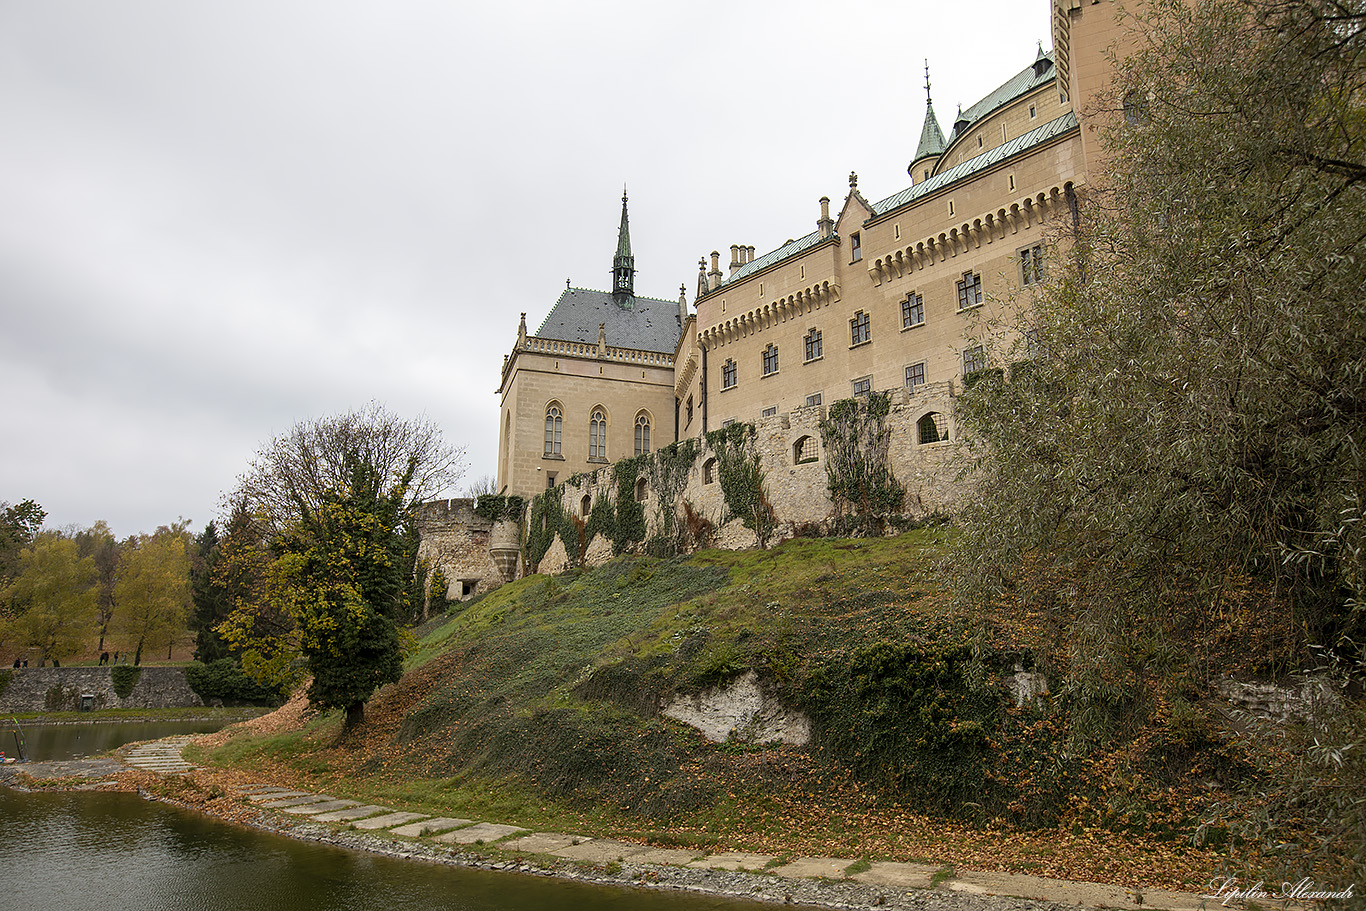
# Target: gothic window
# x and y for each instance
(770, 360)
(933, 428)
(597, 436)
(1031, 264)
(813, 344)
(554, 426)
(912, 311)
(859, 329)
(969, 290)
(915, 376)
(728, 374)
(642, 433)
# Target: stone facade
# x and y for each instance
(909, 295)
(460, 544)
(794, 466)
(59, 689)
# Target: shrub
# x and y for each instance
(224, 680)
(125, 677)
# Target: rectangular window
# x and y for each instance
(915, 376)
(859, 330)
(863, 385)
(727, 422)
(770, 360)
(729, 375)
(813, 400)
(974, 361)
(769, 411)
(813, 344)
(855, 247)
(1031, 264)
(969, 290)
(912, 311)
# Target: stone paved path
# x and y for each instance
(161, 756)
(164, 756)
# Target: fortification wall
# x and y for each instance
(792, 458)
(456, 540)
(56, 689)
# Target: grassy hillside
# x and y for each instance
(538, 704)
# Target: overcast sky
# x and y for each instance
(220, 218)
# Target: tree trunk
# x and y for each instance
(137, 658)
(355, 714)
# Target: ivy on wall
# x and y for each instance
(742, 479)
(548, 519)
(496, 507)
(857, 443)
(670, 469)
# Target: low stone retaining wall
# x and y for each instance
(59, 689)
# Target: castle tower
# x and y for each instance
(623, 264)
(932, 142)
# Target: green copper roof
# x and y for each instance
(931, 137)
(1038, 73)
(1019, 144)
(624, 232)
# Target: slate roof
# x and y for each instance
(643, 323)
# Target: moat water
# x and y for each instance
(79, 850)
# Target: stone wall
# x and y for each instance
(53, 689)
(456, 540)
(794, 464)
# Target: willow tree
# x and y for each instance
(1172, 476)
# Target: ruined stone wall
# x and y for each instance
(456, 540)
(54, 689)
(794, 462)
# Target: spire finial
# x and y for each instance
(927, 81)
(853, 180)
(623, 264)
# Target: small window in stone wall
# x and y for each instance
(804, 451)
(585, 506)
(709, 471)
(933, 428)
(642, 488)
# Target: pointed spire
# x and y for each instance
(932, 142)
(624, 264)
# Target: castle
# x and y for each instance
(907, 298)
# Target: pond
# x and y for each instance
(118, 852)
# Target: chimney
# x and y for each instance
(749, 257)
(714, 276)
(826, 224)
(735, 262)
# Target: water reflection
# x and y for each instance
(72, 741)
(117, 851)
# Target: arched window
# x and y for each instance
(804, 450)
(597, 436)
(642, 433)
(642, 488)
(585, 506)
(554, 426)
(709, 471)
(933, 428)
